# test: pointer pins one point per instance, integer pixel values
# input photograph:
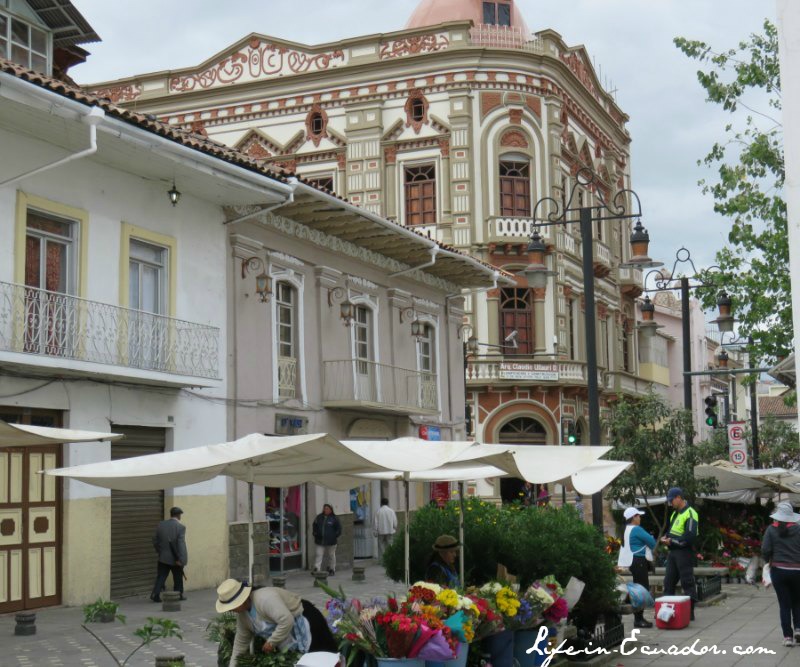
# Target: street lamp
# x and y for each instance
(665, 283)
(537, 273)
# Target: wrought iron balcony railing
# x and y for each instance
(358, 383)
(38, 322)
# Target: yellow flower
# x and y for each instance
(448, 597)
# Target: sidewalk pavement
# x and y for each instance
(747, 618)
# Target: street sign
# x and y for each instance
(737, 445)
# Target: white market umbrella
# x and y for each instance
(268, 461)
(731, 478)
(595, 477)
(22, 435)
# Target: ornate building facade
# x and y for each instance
(454, 126)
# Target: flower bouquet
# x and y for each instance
(559, 610)
(392, 628)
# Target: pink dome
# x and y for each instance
(432, 12)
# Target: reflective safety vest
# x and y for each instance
(678, 520)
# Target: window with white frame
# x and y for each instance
(147, 295)
(362, 333)
(420, 190)
(50, 272)
(148, 277)
(24, 43)
(426, 362)
(286, 335)
(427, 349)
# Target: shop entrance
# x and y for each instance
(286, 512)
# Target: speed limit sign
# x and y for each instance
(737, 445)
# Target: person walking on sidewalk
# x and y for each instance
(781, 549)
(680, 539)
(384, 526)
(635, 554)
(169, 541)
(326, 530)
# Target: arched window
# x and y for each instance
(516, 313)
(515, 188)
(520, 431)
(420, 186)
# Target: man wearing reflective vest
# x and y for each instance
(680, 539)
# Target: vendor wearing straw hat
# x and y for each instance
(272, 613)
(781, 549)
(442, 563)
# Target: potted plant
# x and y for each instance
(102, 611)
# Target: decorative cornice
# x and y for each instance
(363, 283)
(286, 259)
(342, 247)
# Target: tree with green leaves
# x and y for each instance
(748, 187)
(653, 435)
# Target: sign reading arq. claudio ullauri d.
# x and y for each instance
(518, 370)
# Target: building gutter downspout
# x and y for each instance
(247, 216)
(93, 117)
(434, 250)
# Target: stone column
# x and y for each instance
(390, 182)
(539, 342)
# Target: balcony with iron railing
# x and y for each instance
(511, 369)
(362, 384)
(81, 337)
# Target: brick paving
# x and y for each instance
(748, 617)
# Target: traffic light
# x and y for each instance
(568, 432)
(711, 411)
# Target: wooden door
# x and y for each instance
(30, 520)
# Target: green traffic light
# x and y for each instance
(571, 439)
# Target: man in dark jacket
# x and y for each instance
(327, 530)
(680, 540)
(170, 545)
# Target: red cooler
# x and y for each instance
(682, 608)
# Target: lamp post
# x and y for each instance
(665, 282)
(537, 273)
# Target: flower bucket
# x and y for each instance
(525, 639)
(459, 661)
(501, 647)
(399, 662)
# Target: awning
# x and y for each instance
(22, 435)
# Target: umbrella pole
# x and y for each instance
(250, 548)
(407, 541)
(461, 532)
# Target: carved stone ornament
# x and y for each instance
(515, 116)
(416, 109)
(257, 60)
(514, 139)
(444, 146)
(316, 118)
(119, 94)
(390, 154)
(411, 46)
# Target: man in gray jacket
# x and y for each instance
(170, 545)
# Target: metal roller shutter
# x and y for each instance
(134, 515)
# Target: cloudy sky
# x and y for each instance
(630, 40)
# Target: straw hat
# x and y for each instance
(446, 542)
(784, 512)
(231, 593)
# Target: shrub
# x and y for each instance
(531, 542)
